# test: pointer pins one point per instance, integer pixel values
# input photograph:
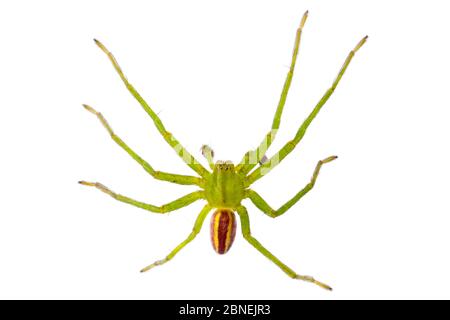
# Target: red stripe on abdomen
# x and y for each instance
(223, 230)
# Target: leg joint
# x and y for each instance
(167, 135)
(291, 145)
(273, 213)
(247, 234)
(156, 174)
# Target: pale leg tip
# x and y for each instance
(323, 285)
(360, 43)
(314, 281)
(147, 268)
(89, 108)
(329, 159)
(326, 287)
(305, 16)
(154, 264)
(86, 183)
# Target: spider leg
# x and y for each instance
(164, 176)
(245, 225)
(253, 157)
(197, 227)
(208, 153)
(288, 147)
(170, 139)
(261, 204)
(171, 206)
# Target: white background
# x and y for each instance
(375, 226)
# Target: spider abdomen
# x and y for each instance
(223, 230)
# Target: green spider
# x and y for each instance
(227, 185)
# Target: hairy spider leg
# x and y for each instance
(252, 158)
(171, 206)
(164, 176)
(289, 146)
(197, 227)
(170, 139)
(262, 205)
(245, 226)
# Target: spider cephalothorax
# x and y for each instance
(225, 186)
